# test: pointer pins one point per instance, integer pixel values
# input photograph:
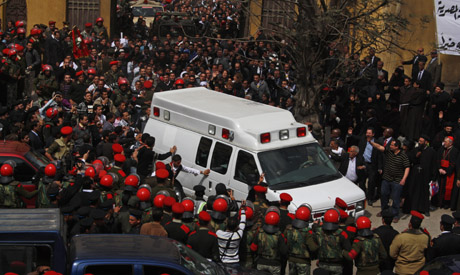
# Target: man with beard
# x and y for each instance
(440, 136)
(422, 173)
(447, 156)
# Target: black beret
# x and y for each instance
(136, 213)
(97, 214)
(387, 213)
(108, 204)
(199, 188)
(447, 219)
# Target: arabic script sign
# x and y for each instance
(448, 26)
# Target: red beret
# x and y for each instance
(178, 208)
(113, 63)
(169, 201)
(162, 173)
(119, 158)
(340, 203)
(51, 22)
(89, 25)
(204, 216)
(260, 189)
(451, 138)
(51, 272)
(117, 148)
(343, 214)
(416, 214)
(148, 84)
(285, 197)
(66, 130)
(79, 73)
(160, 165)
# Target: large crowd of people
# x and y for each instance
(84, 104)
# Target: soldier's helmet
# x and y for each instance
(363, 224)
(131, 182)
(99, 19)
(189, 207)
(331, 219)
(249, 211)
(6, 172)
(90, 172)
(106, 181)
(302, 216)
(219, 209)
(123, 81)
(158, 200)
(51, 113)
(50, 173)
(179, 81)
(143, 194)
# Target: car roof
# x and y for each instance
(13, 147)
(123, 246)
(31, 220)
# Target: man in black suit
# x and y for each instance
(447, 243)
(385, 140)
(382, 76)
(36, 141)
(420, 57)
(372, 163)
(423, 77)
(386, 233)
(352, 166)
(373, 60)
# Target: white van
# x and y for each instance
(238, 139)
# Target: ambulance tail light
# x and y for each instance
(225, 133)
(265, 138)
(301, 131)
(156, 111)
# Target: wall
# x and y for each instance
(42, 11)
(105, 13)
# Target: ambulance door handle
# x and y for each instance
(210, 185)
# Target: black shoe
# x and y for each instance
(370, 203)
(433, 208)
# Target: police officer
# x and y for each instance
(285, 217)
(447, 243)
(162, 183)
(11, 190)
(270, 244)
(367, 249)
(260, 202)
(200, 203)
(386, 233)
(203, 240)
(331, 241)
(175, 228)
(300, 242)
(408, 248)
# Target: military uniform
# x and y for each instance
(10, 195)
(13, 71)
(177, 231)
(331, 244)
(46, 86)
(111, 77)
(247, 257)
(408, 248)
(300, 243)
(204, 241)
(42, 198)
(59, 149)
(367, 252)
(270, 248)
(119, 96)
(120, 184)
(100, 31)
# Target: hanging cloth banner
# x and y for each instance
(447, 13)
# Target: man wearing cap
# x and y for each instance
(422, 173)
(285, 217)
(111, 77)
(163, 183)
(86, 33)
(447, 243)
(154, 228)
(408, 248)
(119, 159)
(62, 147)
(447, 156)
(200, 203)
(46, 83)
(203, 240)
(176, 230)
(10, 189)
(386, 234)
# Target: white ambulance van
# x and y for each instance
(238, 139)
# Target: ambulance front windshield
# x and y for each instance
(297, 166)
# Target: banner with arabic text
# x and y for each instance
(447, 14)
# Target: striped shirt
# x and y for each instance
(229, 242)
(395, 165)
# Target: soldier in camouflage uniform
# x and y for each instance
(61, 148)
(247, 257)
(11, 190)
(111, 77)
(300, 242)
(117, 170)
(43, 200)
(45, 84)
(99, 28)
(14, 73)
(219, 214)
(188, 218)
(367, 250)
(122, 93)
(270, 244)
(331, 241)
(260, 202)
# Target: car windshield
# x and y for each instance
(37, 159)
(194, 262)
(146, 11)
(297, 166)
(176, 30)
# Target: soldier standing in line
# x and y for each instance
(300, 242)
(203, 240)
(43, 186)
(10, 189)
(270, 244)
(386, 234)
(367, 250)
(331, 241)
(175, 228)
(408, 248)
